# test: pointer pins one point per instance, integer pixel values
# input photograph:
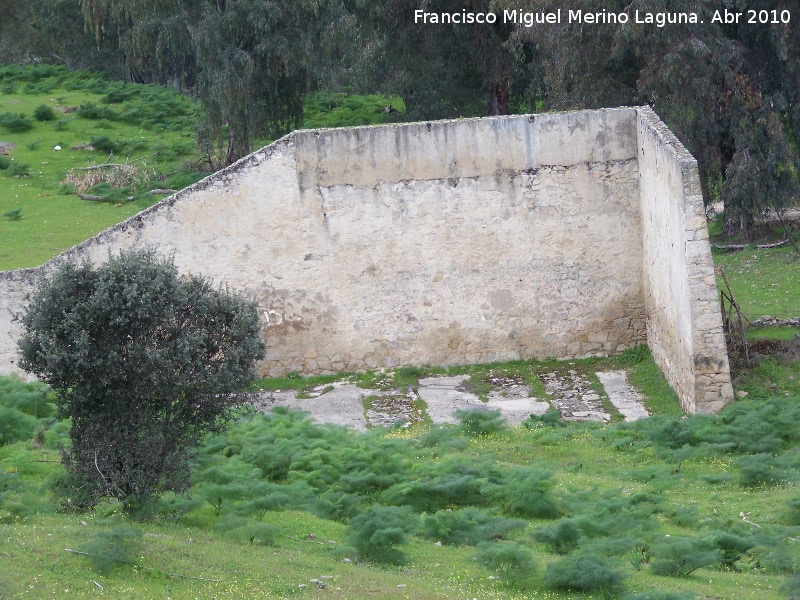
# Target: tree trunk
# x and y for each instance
(498, 98)
(238, 141)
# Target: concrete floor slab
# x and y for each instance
(443, 398)
(340, 406)
(626, 399)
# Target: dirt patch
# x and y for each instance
(389, 408)
(505, 382)
(6, 147)
(572, 394)
(785, 350)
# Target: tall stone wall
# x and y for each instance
(430, 243)
(684, 325)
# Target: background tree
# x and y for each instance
(35, 30)
(440, 70)
(730, 92)
(143, 361)
(245, 59)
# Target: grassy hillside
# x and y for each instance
(150, 129)
(669, 507)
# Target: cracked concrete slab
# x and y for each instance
(516, 410)
(624, 398)
(442, 398)
(342, 403)
(340, 406)
(573, 395)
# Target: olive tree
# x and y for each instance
(143, 361)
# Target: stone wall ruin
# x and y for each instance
(477, 240)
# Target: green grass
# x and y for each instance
(152, 127)
(326, 109)
(612, 475)
(764, 282)
(772, 333)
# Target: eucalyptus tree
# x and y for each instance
(245, 59)
(440, 70)
(729, 90)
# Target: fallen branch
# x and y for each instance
(149, 568)
(103, 166)
(304, 540)
(743, 246)
(91, 198)
(160, 191)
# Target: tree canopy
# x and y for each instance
(729, 90)
(143, 360)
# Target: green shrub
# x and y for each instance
(4, 163)
(480, 422)
(14, 123)
(511, 560)
(15, 214)
(376, 532)
(248, 531)
(113, 547)
(467, 526)
(184, 179)
(117, 96)
(589, 574)
(19, 169)
(526, 493)
(8, 87)
(106, 145)
(551, 418)
(731, 546)
(32, 398)
(679, 556)
(61, 125)
(763, 469)
(338, 505)
(448, 484)
(143, 360)
(94, 112)
(561, 537)
(444, 436)
(793, 514)
(15, 425)
(44, 113)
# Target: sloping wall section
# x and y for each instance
(448, 242)
(684, 325)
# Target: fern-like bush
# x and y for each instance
(679, 556)
(19, 169)
(480, 422)
(44, 113)
(527, 494)
(467, 527)
(377, 532)
(112, 547)
(15, 123)
(248, 531)
(561, 537)
(511, 560)
(589, 574)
